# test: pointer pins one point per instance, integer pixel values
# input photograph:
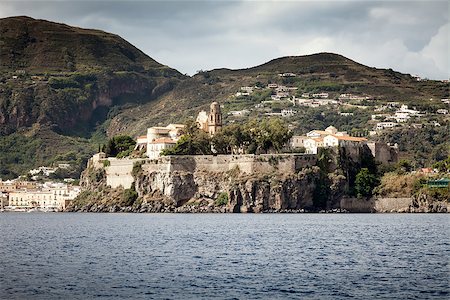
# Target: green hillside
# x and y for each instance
(59, 83)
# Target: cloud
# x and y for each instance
(408, 36)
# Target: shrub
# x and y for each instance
(222, 199)
(129, 196)
(365, 182)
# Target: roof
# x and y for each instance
(163, 141)
(320, 132)
(318, 139)
(348, 138)
(142, 137)
(176, 125)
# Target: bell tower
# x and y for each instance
(214, 119)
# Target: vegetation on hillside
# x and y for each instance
(252, 137)
(62, 88)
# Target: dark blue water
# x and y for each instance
(187, 256)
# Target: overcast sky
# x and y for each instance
(407, 36)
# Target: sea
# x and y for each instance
(224, 256)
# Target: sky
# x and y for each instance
(407, 36)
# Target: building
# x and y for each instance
(330, 137)
(402, 117)
(323, 133)
(297, 141)
(342, 141)
(287, 112)
(160, 138)
(385, 125)
(156, 146)
(313, 144)
(47, 197)
(141, 143)
(202, 120)
(211, 122)
(13, 185)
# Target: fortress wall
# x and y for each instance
(224, 163)
(119, 172)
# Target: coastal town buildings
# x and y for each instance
(25, 195)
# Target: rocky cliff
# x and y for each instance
(325, 186)
(201, 192)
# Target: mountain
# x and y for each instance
(58, 83)
(322, 72)
(64, 90)
(41, 46)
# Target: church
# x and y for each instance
(211, 122)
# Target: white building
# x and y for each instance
(46, 171)
(320, 95)
(239, 113)
(335, 141)
(54, 198)
(402, 117)
(385, 125)
(442, 111)
(287, 112)
(156, 146)
(313, 144)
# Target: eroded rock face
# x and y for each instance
(245, 193)
(423, 203)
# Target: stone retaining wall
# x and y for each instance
(119, 171)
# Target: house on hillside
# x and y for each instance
(385, 125)
(158, 139)
(313, 144)
(330, 137)
(342, 141)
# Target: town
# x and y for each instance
(32, 194)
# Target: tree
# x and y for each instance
(122, 144)
(230, 139)
(193, 142)
(404, 166)
(365, 183)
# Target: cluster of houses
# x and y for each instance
(330, 137)
(18, 195)
(47, 171)
(402, 115)
(160, 138)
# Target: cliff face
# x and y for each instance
(183, 184)
(200, 191)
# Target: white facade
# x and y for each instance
(297, 141)
(160, 138)
(51, 198)
(384, 125)
(312, 145)
(287, 112)
(335, 141)
(155, 148)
